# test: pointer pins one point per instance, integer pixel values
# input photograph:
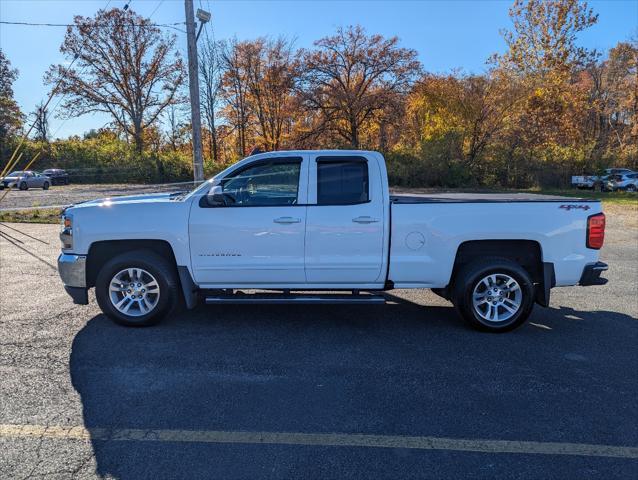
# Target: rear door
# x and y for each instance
(345, 224)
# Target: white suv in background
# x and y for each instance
(626, 181)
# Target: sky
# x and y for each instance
(447, 35)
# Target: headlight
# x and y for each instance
(66, 235)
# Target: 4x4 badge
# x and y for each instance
(572, 207)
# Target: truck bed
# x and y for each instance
(481, 198)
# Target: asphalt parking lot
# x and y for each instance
(404, 390)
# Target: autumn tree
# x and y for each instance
(176, 129)
(543, 41)
(124, 66)
(544, 56)
(272, 70)
(611, 123)
(351, 76)
(11, 117)
(476, 108)
(235, 92)
(621, 109)
(210, 73)
(41, 122)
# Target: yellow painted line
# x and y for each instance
(318, 439)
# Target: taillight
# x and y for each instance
(596, 231)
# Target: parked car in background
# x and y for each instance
(24, 180)
(57, 176)
(626, 181)
(598, 182)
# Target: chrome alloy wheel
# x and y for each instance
(134, 292)
(497, 297)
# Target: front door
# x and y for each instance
(257, 238)
(345, 225)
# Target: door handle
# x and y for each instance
(365, 219)
(286, 220)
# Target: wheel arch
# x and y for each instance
(527, 253)
(102, 251)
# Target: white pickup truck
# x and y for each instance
(283, 227)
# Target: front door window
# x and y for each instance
(269, 184)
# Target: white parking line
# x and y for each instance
(318, 439)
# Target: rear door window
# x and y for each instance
(342, 181)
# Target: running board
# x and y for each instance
(278, 299)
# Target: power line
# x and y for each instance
(149, 25)
(206, 24)
(156, 8)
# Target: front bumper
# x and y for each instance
(72, 270)
(591, 274)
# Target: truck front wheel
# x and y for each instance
(493, 294)
(137, 288)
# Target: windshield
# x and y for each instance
(16, 174)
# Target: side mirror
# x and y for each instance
(215, 197)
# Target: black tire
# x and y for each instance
(45, 186)
(467, 279)
(631, 188)
(163, 271)
(24, 186)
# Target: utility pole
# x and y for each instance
(193, 84)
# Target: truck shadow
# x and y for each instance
(397, 369)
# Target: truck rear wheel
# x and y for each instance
(137, 288)
(493, 294)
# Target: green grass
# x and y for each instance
(39, 215)
(614, 198)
